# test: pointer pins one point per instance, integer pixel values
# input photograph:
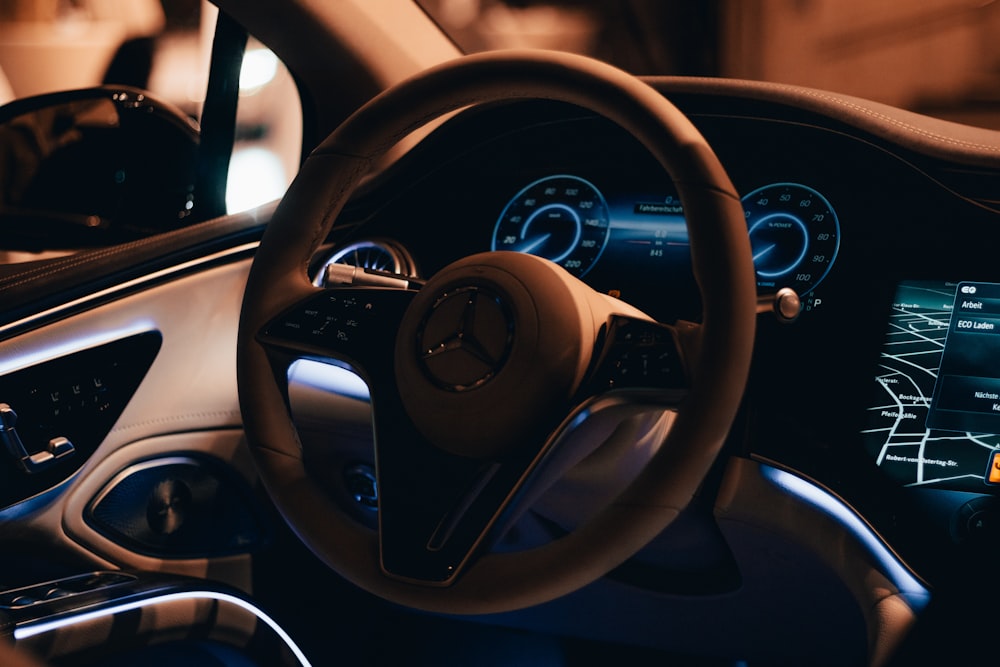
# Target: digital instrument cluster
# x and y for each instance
(794, 231)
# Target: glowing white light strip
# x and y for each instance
(131, 283)
(916, 595)
(34, 629)
(14, 362)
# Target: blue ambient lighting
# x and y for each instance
(329, 378)
(909, 586)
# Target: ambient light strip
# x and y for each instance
(21, 360)
(910, 588)
(34, 629)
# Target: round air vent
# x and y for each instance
(380, 255)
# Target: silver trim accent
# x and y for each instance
(139, 467)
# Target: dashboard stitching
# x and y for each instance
(177, 418)
(906, 126)
(57, 265)
(864, 110)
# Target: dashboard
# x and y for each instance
(882, 388)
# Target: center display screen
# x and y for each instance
(935, 415)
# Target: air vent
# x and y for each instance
(377, 255)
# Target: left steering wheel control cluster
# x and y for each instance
(54, 414)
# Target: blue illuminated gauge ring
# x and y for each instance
(768, 261)
(794, 236)
(562, 218)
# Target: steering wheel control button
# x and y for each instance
(335, 315)
(466, 339)
(639, 354)
(352, 321)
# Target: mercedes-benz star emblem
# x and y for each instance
(465, 339)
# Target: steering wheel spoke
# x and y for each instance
(436, 509)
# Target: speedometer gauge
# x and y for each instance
(794, 235)
(562, 218)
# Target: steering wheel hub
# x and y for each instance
(465, 339)
(490, 350)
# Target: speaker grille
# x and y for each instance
(178, 507)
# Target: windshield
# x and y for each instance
(939, 57)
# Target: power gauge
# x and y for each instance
(794, 236)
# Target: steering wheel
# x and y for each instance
(493, 329)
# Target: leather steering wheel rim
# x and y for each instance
(723, 269)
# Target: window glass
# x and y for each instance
(162, 47)
(268, 131)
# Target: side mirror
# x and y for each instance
(94, 167)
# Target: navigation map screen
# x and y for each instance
(935, 415)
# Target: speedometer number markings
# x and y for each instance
(794, 236)
(561, 218)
